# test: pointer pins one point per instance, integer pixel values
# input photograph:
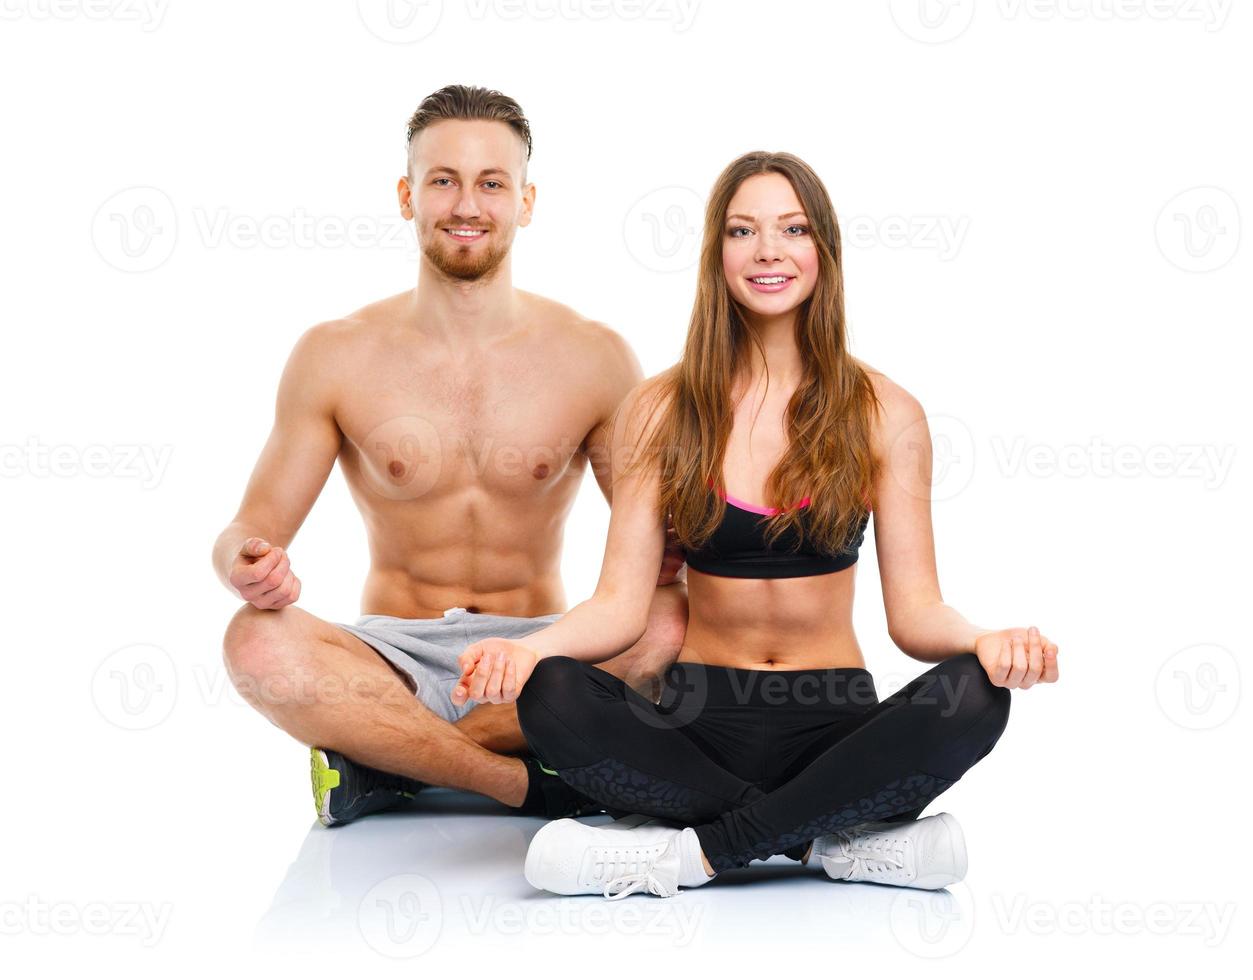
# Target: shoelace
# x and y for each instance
(371, 780)
(627, 870)
(644, 880)
(870, 854)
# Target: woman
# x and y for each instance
(768, 738)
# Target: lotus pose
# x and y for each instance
(767, 446)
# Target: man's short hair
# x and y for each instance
(470, 102)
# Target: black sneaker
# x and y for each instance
(549, 796)
(344, 790)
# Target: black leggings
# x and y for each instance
(761, 762)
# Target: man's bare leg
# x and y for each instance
(326, 687)
(495, 726)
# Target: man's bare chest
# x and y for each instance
(508, 429)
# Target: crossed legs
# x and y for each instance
(889, 760)
(326, 687)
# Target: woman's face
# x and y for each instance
(768, 252)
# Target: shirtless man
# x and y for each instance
(463, 414)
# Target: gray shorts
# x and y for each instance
(426, 650)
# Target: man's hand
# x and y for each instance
(1017, 657)
(262, 575)
(493, 670)
(672, 559)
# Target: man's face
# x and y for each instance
(466, 193)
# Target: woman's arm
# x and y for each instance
(616, 615)
(920, 622)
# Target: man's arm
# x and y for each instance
(249, 556)
(619, 372)
(621, 375)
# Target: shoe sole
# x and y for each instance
(324, 779)
(957, 841)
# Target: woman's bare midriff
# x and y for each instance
(771, 624)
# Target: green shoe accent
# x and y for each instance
(544, 768)
(344, 790)
(324, 779)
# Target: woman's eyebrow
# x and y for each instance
(745, 217)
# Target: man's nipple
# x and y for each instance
(540, 471)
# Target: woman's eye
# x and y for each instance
(801, 228)
(733, 231)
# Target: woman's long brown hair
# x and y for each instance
(828, 418)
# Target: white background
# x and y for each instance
(1042, 207)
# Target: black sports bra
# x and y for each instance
(737, 548)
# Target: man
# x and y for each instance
(463, 413)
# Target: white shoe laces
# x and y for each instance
(870, 855)
(629, 869)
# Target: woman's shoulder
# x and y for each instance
(645, 405)
(894, 397)
(899, 408)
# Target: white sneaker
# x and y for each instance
(926, 853)
(571, 858)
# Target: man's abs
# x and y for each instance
(394, 592)
(464, 467)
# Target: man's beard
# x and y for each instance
(461, 261)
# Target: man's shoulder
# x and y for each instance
(593, 338)
(337, 336)
(566, 321)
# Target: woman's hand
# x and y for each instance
(493, 670)
(1017, 657)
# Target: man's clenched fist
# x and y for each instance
(262, 575)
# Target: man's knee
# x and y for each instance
(642, 666)
(667, 618)
(265, 657)
(253, 640)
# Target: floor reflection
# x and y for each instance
(447, 874)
